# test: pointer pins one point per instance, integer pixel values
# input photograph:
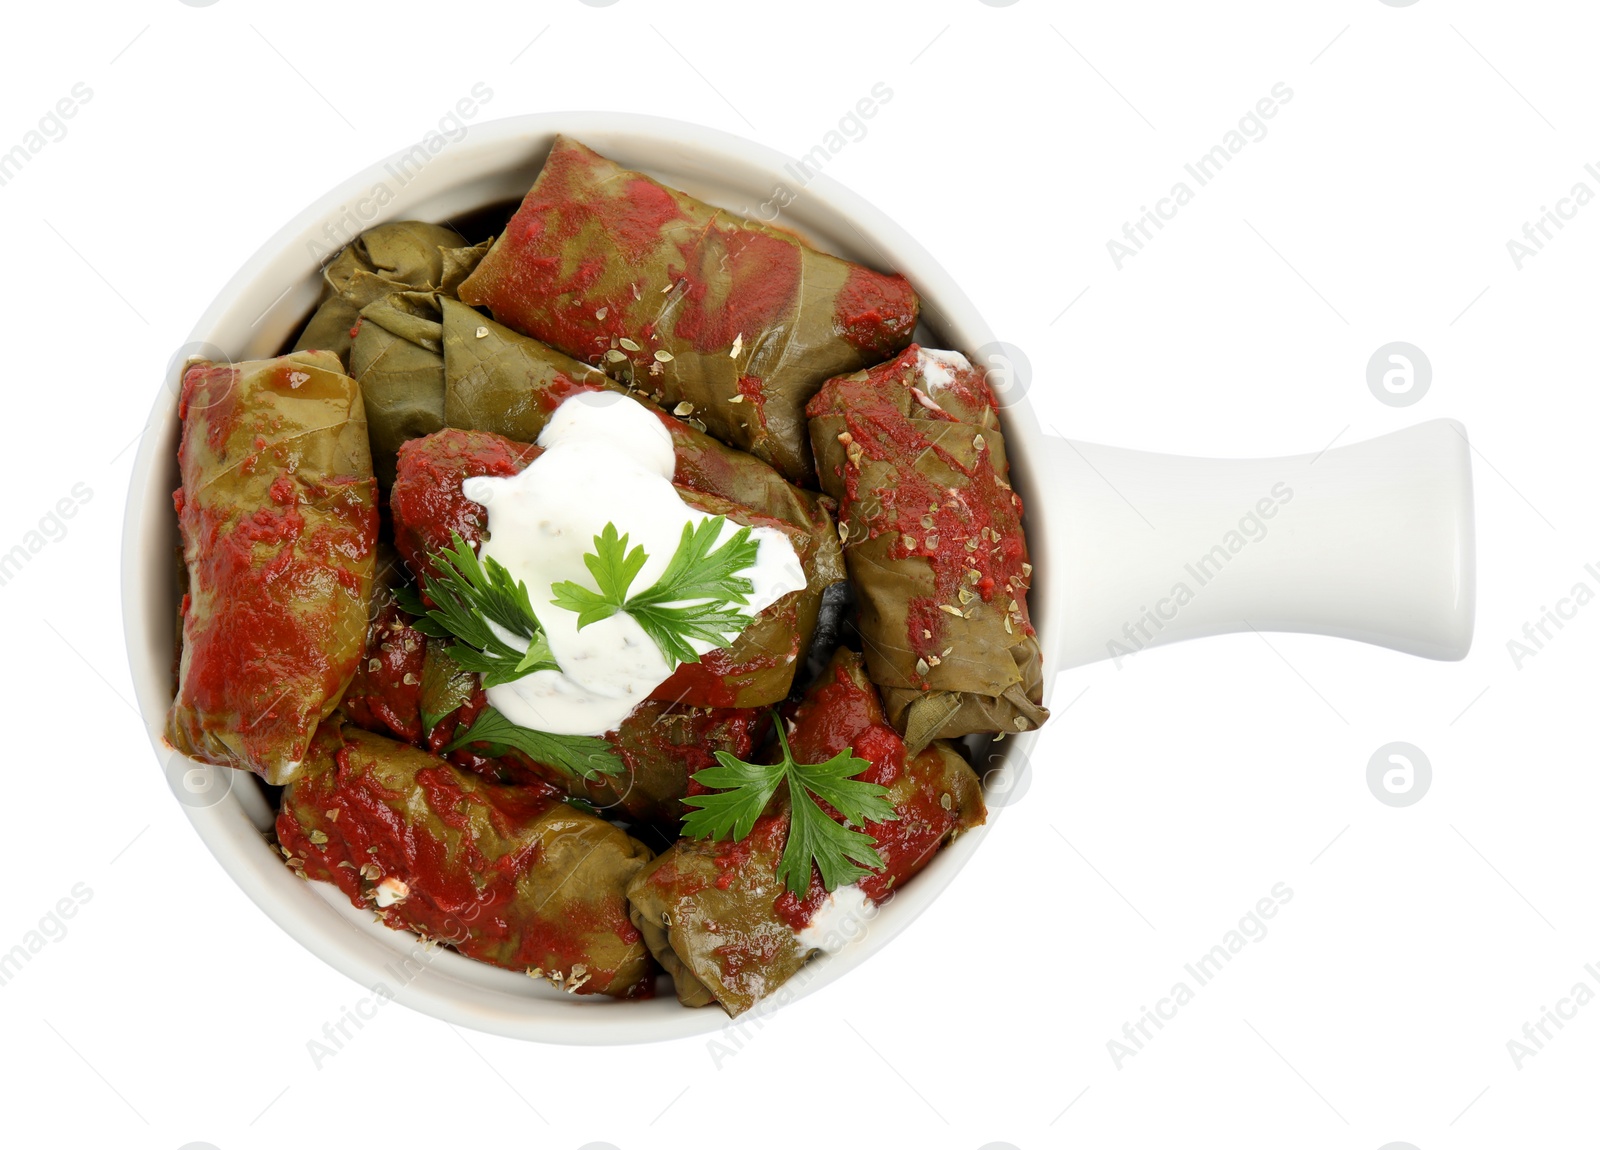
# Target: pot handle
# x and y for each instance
(1372, 541)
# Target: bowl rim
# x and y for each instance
(445, 985)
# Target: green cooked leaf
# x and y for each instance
(667, 611)
(446, 685)
(585, 756)
(840, 852)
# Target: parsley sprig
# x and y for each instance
(840, 851)
(698, 569)
(468, 595)
(477, 604)
(587, 757)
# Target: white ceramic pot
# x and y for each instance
(1374, 543)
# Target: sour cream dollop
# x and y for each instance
(939, 367)
(607, 459)
(840, 920)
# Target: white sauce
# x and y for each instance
(606, 460)
(840, 920)
(936, 367)
(390, 891)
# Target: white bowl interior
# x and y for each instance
(256, 314)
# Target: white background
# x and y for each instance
(1167, 797)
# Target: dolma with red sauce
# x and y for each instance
(509, 875)
(277, 513)
(734, 322)
(715, 914)
(912, 450)
(427, 504)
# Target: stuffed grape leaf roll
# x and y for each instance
(730, 320)
(508, 875)
(497, 380)
(277, 514)
(397, 359)
(912, 450)
(715, 913)
(404, 256)
(380, 313)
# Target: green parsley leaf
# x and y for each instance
(666, 611)
(699, 569)
(613, 567)
(841, 855)
(745, 789)
(839, 851)
(468, 596)
(585, 756)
